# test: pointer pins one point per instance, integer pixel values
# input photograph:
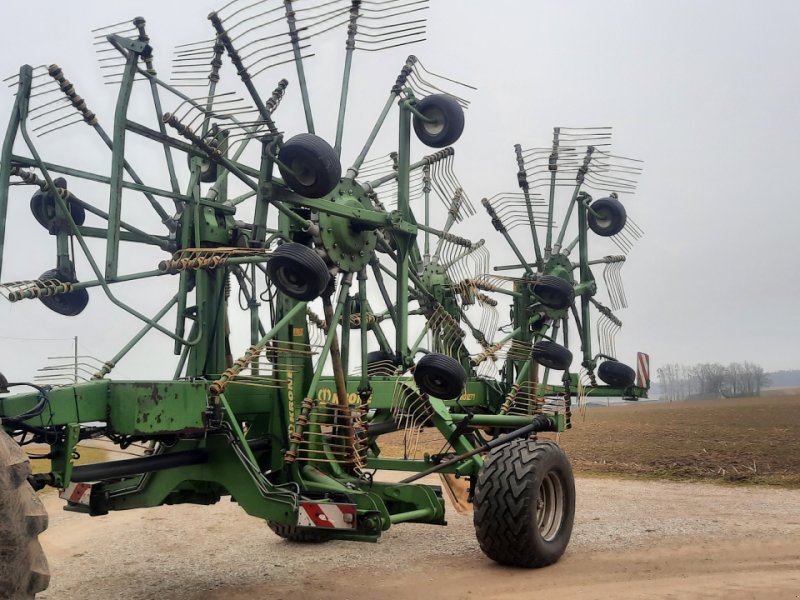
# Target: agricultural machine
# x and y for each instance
(374, 334)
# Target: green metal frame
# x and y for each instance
(208, 407)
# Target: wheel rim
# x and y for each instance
(436, 126)
(604, 218)
(550, 506)
(436, 384)
(292, 280)
(303, 172)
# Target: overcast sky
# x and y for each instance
(706, 93)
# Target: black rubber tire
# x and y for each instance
(43, 207)
(296, 535)
(440, 376)
(23, 566)
(612, 217)
(310, 166)
(70, 304)
(449, 123)
(298, 271)
(554, 292)
(512, 488)
(208, 169)
(552, 355)
(377, 359)
(616, 374)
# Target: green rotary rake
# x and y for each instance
(369, 318)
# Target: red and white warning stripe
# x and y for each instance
(642, 370)
(334, 516)
(76, 493)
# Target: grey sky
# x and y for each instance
(704, 92)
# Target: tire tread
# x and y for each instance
(503, 521)
(23, 566)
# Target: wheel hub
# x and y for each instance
(558, 265)
(346, 245)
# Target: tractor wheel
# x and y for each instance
(441, 376)
(291, 533)
(70, 304)
(607, 217)
(616, 374)
(298, 271)
(23, 566)
(552, 355)
(525, 504)
(554, 292)
(309, 166)
(447, 124)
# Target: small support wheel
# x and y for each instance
(552, 355)
(446, 124)
(23, 570)
(208, 171)
(70, 304)
(43, 206)
(309, 166)
(554, 292)
(616, 374)
(292, 533)
(441, 376)
(298, 271)
(525, 504)
(607, 217)
(381, 363)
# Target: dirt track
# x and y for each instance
(632, 539)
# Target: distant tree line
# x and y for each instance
(711, 380)
(785, 379)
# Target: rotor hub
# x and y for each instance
(347, 243)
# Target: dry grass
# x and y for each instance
(748, 440)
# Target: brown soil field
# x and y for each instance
(752, 440)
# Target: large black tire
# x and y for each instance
(23, 566)
(309, 166)
(616, 374)
(554, 292)
(70, 304)
(552, 355)
(609, 218)
(294, 534)
(298, 271)
(448, 123)
(525, 504)
(440, 376)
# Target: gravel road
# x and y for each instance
(632, 539)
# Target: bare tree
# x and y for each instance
(710, 380)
